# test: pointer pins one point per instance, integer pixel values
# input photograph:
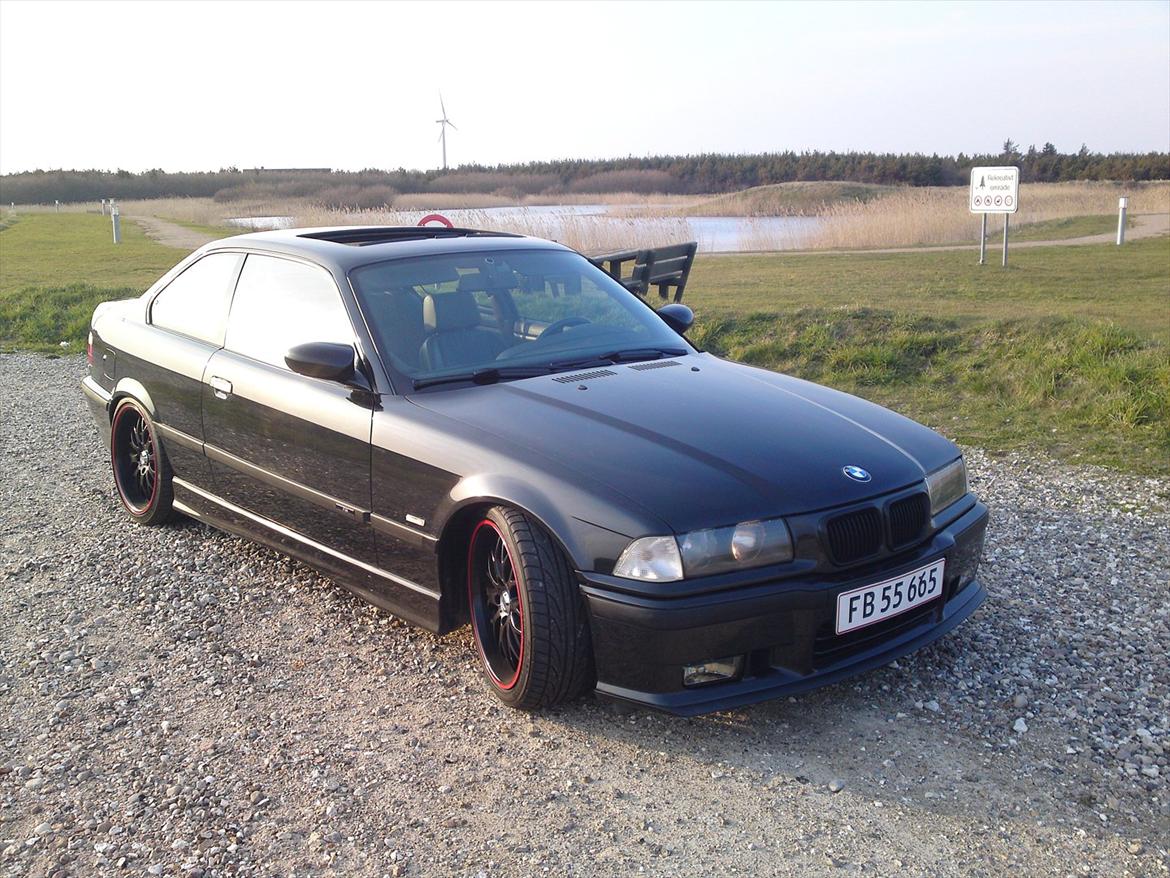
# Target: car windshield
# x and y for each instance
(490, 316)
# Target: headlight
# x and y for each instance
(704, 552)
(654, 559)
(946, 485)
(748, 544)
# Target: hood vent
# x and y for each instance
(656, 364)
(584, 376)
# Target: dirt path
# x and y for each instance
(171, 234)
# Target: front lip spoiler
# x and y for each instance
(693, 702)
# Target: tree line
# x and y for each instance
(693, 174)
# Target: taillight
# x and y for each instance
(89, 349)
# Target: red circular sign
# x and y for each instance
(436, 218)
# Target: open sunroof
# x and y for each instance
(361, 237)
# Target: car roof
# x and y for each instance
(346, 247)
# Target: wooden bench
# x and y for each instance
(666, 268)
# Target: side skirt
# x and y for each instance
(383, 589)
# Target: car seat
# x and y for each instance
(456, 335)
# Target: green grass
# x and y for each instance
(58, 249)
(1055, 230)
(54, 268)
(1066, 351)
(1127, 285)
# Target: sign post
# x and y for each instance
(1122, 204)
(994, 190)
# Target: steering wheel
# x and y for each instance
(561, 325)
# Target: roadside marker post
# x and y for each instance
(103, 207)
(994, 190)
(56, 206)
(117, 221)
(1122, 204)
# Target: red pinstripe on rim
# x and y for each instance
(472, 601)
(130, 506)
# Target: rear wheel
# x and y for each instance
(142, 472)
(527, 613)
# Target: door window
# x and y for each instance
(280, 303)
(196, 302)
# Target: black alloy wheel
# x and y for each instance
(527, 614)
(142, 472)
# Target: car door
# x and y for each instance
(187, 320)
(291, 449)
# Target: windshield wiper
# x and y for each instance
(629, 355)
(486, 375)
(492, 374)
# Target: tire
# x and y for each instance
(527, 615)
(142, 473)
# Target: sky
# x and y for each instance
(348, 85)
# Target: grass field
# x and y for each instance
(1054, 229)
(1067, 351)
(55, 267)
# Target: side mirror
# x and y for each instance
(322, 359)
(677, 317)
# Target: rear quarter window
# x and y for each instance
(196, 302)
(280, 303)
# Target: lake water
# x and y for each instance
(714, 233)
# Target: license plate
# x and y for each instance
(892, 597)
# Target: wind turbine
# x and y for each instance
(443, 123)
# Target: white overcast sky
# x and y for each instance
(204, 85)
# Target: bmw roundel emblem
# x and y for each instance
(856, 473)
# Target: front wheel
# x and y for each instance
(142, 472)
(527, 613)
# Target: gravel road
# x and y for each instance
(180, 702)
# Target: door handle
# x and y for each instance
(221, 387)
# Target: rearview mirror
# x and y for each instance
(322, 359)
(677, 317)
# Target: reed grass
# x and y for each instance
(586, 233)
(938, 215)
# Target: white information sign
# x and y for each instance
(994, 190)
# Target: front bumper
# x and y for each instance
(98, 399)
(784, 628)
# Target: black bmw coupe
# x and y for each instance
(471, 427)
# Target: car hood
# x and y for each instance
(702, 442)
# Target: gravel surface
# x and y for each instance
(181, 702)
